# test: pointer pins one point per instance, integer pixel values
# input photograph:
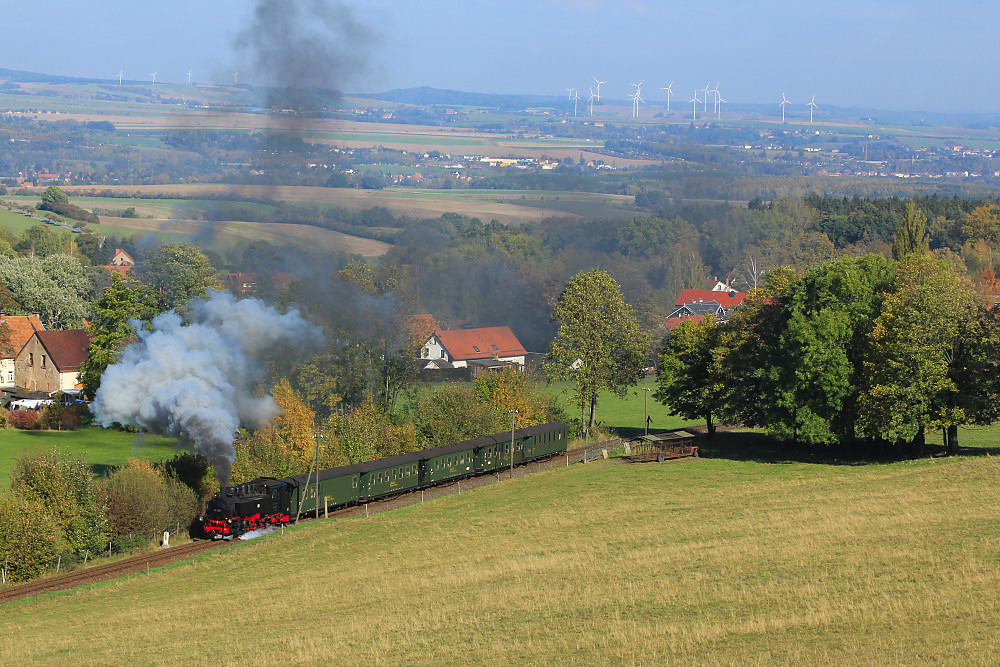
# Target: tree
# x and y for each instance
(54, 195)
(599, 343)
(691, 380)
(178, 272)
(827, 317)
(55, 287)
(982, 222)
(126, 300)
(921, 359)
(911, 235)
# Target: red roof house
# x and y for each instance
(483, 347)
(724, 299)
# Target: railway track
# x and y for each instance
(87, 575)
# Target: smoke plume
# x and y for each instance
(314, 45)
(193, 381)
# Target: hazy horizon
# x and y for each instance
(889, 55)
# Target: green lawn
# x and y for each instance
(104, 448)
(724, 560)
(625, 415)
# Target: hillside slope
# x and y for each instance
(707, 561)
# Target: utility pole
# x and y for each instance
(512, 415)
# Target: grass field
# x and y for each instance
(721, 560)
(623, 415)
(104, 448)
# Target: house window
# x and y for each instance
(426, 353)
(496, 348)
(31, 358)
(10, 376)
(43, 361)
(475, 348)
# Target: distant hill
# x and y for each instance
(427, 96)
(37, 77)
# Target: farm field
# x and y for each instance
(103, 447)
(507, 206)
(727, 559)
(172, 221)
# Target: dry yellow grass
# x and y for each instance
(702, 562)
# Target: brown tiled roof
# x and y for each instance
(22, 328)
(67, 349)
(491, 341)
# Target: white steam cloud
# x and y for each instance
(193, 381)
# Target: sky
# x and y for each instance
(890, 54)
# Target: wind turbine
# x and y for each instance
(569, 93)
(636, 98)
(576, 99)
(598, 88)
(670, 92)
(812, 106)
(694, 105)
(784, 101)
(154, 78)
(189, 76)
(590, 100)
(718, 104)
(234, 77)
(705, 90)
(715, 91)
(119, 78)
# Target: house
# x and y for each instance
(727, 300)
(22, 327)
(122, 258)
(480, 349)
(697, 303)
(50, 360)
(122, 263)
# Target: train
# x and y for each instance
(267, 501)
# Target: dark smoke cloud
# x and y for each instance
(194, 381)
(305, 44)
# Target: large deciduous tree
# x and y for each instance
(930, 365)
(179, 272)
(55, 287)
(599, 344)
(125, 301)
(691, 380)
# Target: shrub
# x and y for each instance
(195, 472)
(28, 538)
(64, 486)
(144, 501)
(24, 419)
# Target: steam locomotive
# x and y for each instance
(267, 501)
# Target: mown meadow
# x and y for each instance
(748, 555)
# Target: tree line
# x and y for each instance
(858, 351)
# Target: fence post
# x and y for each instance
(58, 563)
